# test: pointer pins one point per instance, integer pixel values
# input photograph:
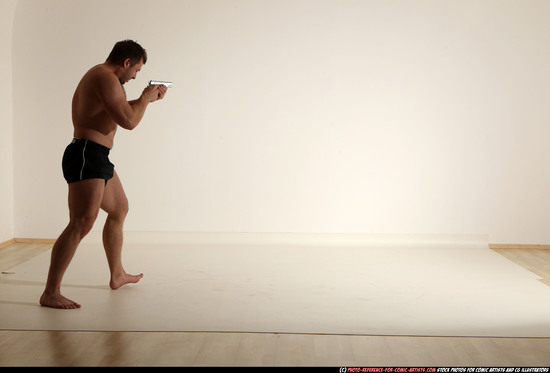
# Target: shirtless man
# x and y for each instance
(99, 106)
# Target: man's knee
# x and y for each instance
(120, 211)
(123, 208)
(82, 225)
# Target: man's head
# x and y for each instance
(127, 49)
(128, 55)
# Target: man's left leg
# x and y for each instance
(115, 204)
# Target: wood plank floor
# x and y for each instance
(54, 348)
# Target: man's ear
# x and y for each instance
(127, 63)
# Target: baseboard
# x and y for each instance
(26, 240)
(320, 239)
(296, 239)
(496, 246)
(34, 240)
(7, 243)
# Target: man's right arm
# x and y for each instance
(125, 114)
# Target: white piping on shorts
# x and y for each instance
(83, 159)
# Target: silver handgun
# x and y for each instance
(158, 82)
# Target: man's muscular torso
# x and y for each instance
(90, 118)
(100, 105)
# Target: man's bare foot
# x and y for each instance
(57, 300)
(119, 281)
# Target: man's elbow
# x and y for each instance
(128, 124)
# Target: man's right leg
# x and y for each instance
(84, 202)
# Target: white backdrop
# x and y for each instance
(7, 11)
(318, 116)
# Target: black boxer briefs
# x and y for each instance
(84, 159)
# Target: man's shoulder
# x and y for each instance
(101, 77)
(99, 72)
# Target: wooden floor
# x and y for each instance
(52, 348)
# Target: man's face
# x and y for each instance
(130, 71)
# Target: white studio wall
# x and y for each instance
(316, 116)
(7, 12)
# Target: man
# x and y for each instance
(99, 106)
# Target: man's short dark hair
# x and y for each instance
(127, 49)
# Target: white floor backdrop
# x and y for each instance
(339, 286)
